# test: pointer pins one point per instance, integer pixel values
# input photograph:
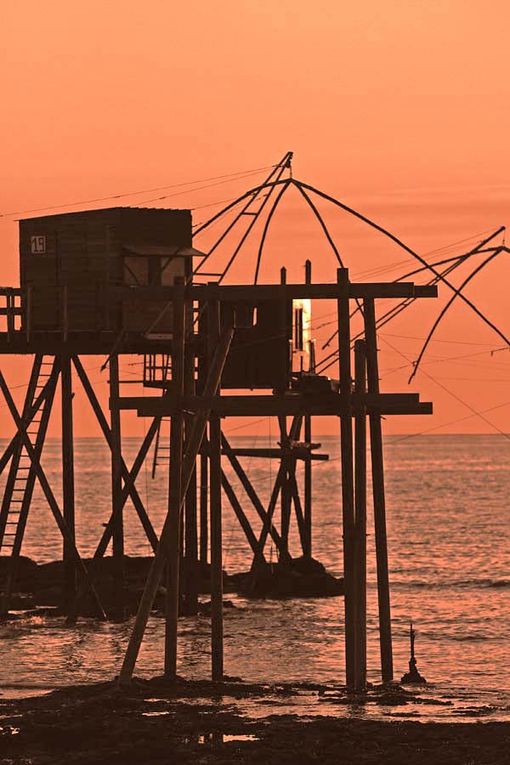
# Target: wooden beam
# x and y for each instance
(68, 498)
(116, 481)
(176, 492)
(360, 523)
(377, 461)
(204, 522)
(347, 468)
(307, 481)
(272, 406)
(216, 550)
(252, 293)
(297, 453)
(190, 579)
(215, 507)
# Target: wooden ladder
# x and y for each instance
(19, 486)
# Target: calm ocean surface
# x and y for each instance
(449, 543)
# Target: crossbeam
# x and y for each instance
(273, 406)
(238, 292)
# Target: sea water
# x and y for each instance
(449, 548)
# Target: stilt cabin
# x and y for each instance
(272, 341)
(69, 261)
(71, 265)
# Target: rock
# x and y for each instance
(300, 578)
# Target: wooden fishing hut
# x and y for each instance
(119, 281)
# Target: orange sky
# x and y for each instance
(399, 108)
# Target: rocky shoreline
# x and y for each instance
(152, 722)
(39, 585)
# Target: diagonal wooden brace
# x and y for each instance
(130, 489)
(50, 497)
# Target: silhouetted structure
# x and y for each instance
(120, 281)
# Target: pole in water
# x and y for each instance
(413, 676)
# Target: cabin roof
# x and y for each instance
(105, 211)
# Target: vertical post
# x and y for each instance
(307, 509)
(285, 498)
(204, 521)
(213, 312)
(377, 459)
(116, 457)
(360, 494)
(173, 549)
(190, 604)
(69, 585)
(203, 367)
(216, 550)
(344, 357)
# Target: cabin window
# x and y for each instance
(298, 329)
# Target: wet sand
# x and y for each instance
(198, 722)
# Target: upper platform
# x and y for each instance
(24, 336)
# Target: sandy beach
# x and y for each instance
(153, 722)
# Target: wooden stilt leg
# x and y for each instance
(175, 493)
(307, 547)
(307, 478)
(216, 550)
(69, 590)
(360, 492)
(381, 542)
(344, 340)
(213, 317)
(285, 498)
(204, 521)
(116, 459)
(190, 589)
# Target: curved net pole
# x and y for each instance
(474, 251)
(395, 310)
(255, 217)
(466, 281)
(430, 267)
(266, 227)
(414, 254)
(319, 217)
(250, 196)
